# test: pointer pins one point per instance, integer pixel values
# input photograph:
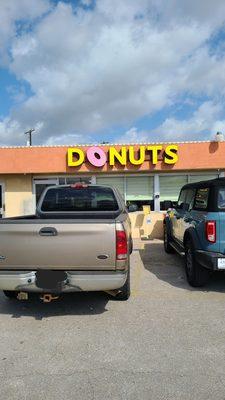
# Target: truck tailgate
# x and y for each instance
(73, 245)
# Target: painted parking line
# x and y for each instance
(137, 274)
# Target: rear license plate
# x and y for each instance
(221, 263)
(49, 279)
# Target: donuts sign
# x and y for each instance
(98, 157)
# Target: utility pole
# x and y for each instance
(29, 141)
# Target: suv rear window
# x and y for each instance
(201, 199)
(79, 199)
(221, 198)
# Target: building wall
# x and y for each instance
(147, 226)
(39, 160)
(18, 195)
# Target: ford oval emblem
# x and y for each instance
(103, 257)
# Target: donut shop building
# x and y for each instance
(145, 174)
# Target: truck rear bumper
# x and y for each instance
(209, 260)
(76, 281)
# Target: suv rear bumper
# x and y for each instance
(208, 259)
(76, 281)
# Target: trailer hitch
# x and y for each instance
(48, 297)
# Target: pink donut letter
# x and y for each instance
(96, 156)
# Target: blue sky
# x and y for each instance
(123, 71)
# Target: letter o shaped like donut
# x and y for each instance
(96, 156)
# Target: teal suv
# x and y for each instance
(195, 228)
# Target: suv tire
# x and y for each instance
(11, 294)
(124, 292)
(197, 275)
(167, 240)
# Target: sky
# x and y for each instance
(121, 71)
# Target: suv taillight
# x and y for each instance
(121, 245)
(210, 230)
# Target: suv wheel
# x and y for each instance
(167, 239)
(197, 275)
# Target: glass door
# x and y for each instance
(41, 184)
(2, 202)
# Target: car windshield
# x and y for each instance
(75, 199)
(221, 198)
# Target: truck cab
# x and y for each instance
(195, 228)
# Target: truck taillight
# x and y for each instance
(121, 245)
(210, 230)
(79, 185)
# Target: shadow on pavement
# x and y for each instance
(170, 268)
(69, 304)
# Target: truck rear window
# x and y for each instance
(221, 198)
(201, 199)
(73, 199)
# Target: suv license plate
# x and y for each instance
(221, 263)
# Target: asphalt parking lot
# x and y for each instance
(166, 342)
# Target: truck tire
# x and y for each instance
(197, 275)
(167, 239)
(11, 294)
(124, 292)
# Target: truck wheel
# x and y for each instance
(197, 275)
(124, 292)
(167, 239)
(11, 294)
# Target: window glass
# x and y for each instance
(199, 178)
(190, 198)
(71, 181)
(62, 181)
(201, 199)
(117, 182)
(1, 205)
(139, 191)
(40, 187)
(79, 199)
(181, 199)
(139, 188)
(221, 198)
(170, 186)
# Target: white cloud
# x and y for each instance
(12, 11)
(68, 139)
(124, 60)
(203, 121)
(133, 135)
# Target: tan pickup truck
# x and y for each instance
(78, 240)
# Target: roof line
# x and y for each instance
(106, 144)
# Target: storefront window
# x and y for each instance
(71, 180)
(199, 178)
(1, 202)
(117, 182)
(41, 184)
(136, 190)
(170, 188)
(139, 191)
